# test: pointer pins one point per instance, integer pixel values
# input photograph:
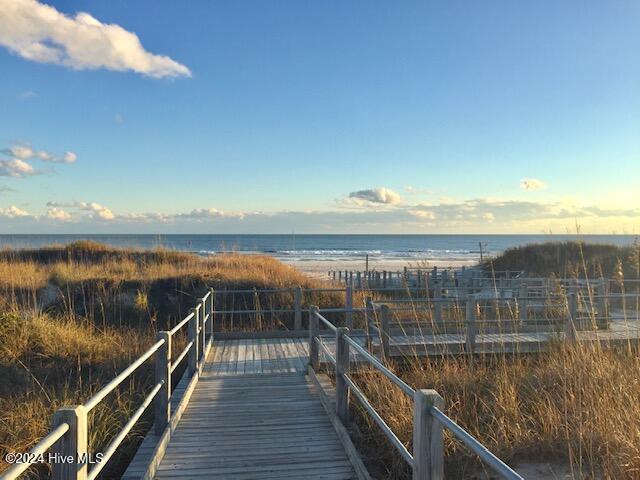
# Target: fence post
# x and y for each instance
(385, 317)
(297, 302)
(211, 307)
(471, 323)
(359, 279)
(437, 304)
(203, 329)
(602, 320)
(73, 444)
(570, 325)
(428, 446)
(162, 402)
(369, 315)
(348, 305)
(193, 337)
(523, 302)
(314, 331)
(342, 368)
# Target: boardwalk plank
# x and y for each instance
(254, 414)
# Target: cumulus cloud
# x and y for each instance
(375, 196)
(40, 33)
(16, 168)
(24, 152)
(58, 214)
(13, 212)
(201, 213)
(532, 184)
(425, 214)
(96, 211)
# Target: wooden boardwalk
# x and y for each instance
(254, 414)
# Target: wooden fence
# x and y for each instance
(68, 439)
(427, 456)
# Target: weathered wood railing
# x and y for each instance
(68, 439)
(427, 456)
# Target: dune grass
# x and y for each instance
(576, 406)
(73, 317)
(569, 259)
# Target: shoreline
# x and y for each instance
(320, 268)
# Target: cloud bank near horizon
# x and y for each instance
(482, 214)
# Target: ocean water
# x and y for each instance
(300, 248)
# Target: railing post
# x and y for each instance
(437, 304)
(348, 305)
(471, 323)
(162, 402)
(203, 329)
(570, 325)
(193, 337)
(602, 320)
(314, 332)
(369, 315)
(523, 302)
(73, 444)
(297, 307)
(428, 445)
(211, 306)
(342, 368)
(385, 317)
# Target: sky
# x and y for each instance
(319, 117)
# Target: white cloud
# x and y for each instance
(24, 151)
(532, 184)
(374, 196)
(58, 214)
(489, 217)
(96, 211)
(70, 157)
(13, 212)
(424, 214)
(16, 168)
(40, 33)
(205, 213)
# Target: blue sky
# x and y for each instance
(267, 117)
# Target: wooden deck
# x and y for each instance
(255, 414)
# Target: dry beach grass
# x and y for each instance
(73, 317)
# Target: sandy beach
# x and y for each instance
(320, 268)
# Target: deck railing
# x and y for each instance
(67, 441)
(427, 456)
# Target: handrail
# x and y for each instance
(384, 370)
(341, 370)
(175, 363)
(181, 324)
(379, 420)
(327, 323)
(497, 465)
(115, 443)
(73, 420)
(332, 359)
(109, 387)
(38, 449)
